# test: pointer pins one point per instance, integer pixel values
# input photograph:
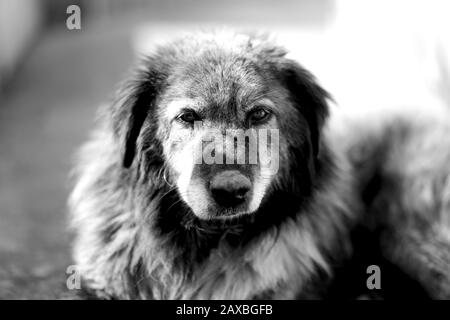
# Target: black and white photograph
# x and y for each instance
(242, 151)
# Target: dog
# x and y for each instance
(151, 221)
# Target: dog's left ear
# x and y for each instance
(309, 98)
(136, 101)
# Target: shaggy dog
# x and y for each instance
(151, 222)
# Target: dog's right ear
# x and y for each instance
(136, 100)
(309, 97)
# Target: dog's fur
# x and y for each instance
(138, 235)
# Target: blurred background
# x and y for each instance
(368, 54)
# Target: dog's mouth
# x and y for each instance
(228, 216)
(226, 213)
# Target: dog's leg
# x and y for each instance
(416, 233)
(407, 193)
(425, 257)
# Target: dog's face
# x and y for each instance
(221, 143)
(227, 123)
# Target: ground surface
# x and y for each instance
(45, 115)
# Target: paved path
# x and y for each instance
(45, 116)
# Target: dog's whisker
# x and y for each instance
(173, 204)
(167, 193)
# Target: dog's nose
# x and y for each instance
(230, 188)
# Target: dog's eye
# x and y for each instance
(189, 116)
(258, 115)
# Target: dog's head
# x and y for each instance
(225, 118)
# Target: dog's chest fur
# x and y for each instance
(273, 266)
